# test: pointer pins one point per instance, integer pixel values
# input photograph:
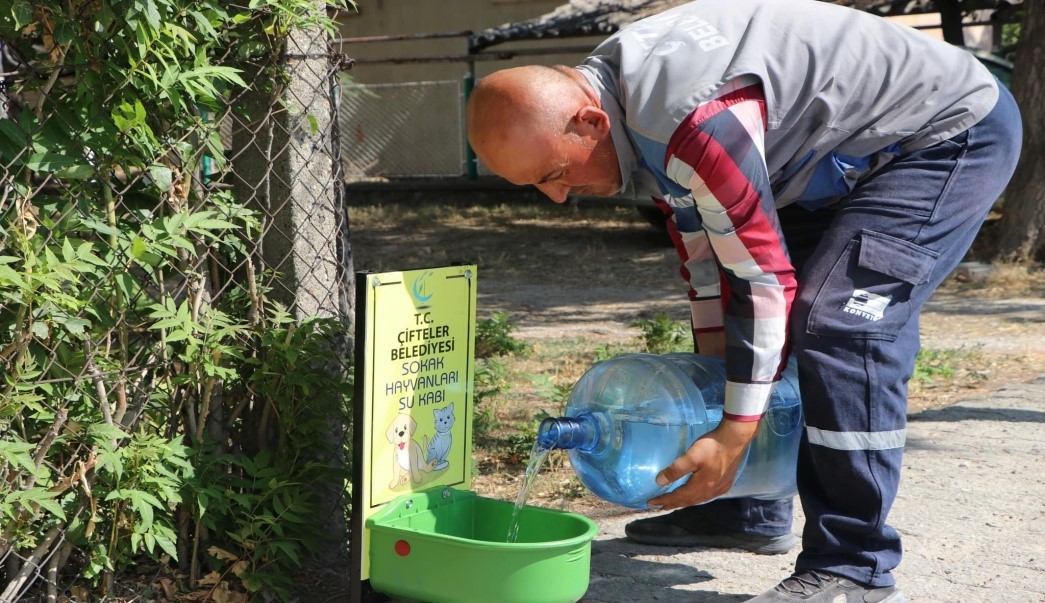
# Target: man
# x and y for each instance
(835, 167)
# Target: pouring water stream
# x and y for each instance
(538, 454)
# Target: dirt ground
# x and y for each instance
(589, 271)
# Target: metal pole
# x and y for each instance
(499, 55)
(3, 84)
(398, 37)
(471, 161)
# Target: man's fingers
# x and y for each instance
(672, 500)
(693, 492)
(680, 468)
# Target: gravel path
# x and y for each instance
(970, 510)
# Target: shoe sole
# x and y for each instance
(772, 546)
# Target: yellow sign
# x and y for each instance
(418, 362)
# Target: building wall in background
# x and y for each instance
(976, 36)
(388, 17)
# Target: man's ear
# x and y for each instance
(592, 120)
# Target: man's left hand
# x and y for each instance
(712, 460)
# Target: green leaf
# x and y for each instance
(80, 171)
(104, 431)
(127, 116)
(142, 38)
(180, 241)
(167, 545)
(52, 506)
(43, 498)
(18, 452)
(177, 335)
(146, 514)
(68, 253)
(64, 33)
(99, 226)
(140, 251)
(40, 330)
(162, 176)
(152, 14)
(10, 276)
(168, 322)
(60, 165)
(289, 550)
(127, 285)
(143, 498)
(23, 14)
(85, 252)
(12, 140)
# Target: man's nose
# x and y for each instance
(555, 192)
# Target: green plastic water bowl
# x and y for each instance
(450, 545)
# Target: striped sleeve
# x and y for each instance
(699, 268)
(718, 154)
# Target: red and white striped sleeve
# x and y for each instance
(718, 153)
(699, 268)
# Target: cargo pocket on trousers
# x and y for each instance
(868, 292)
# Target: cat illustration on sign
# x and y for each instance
(438, 448)
(407, 459)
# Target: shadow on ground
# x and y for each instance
(616, 571)
(960, 413)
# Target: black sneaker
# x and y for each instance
(820, 587)
(689, 527)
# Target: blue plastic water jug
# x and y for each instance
(629, 417)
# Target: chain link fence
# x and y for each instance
(175, 299)
(409, 129)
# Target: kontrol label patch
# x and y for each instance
(867, 305)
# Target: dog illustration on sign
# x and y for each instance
(408, 462)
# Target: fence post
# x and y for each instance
(287, 158)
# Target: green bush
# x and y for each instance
(491, 380)
(662, 335)
(155, 404)
(493, 337)
(936, 365)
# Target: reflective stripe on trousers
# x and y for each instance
(857, 440)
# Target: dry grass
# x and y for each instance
(1006, 281)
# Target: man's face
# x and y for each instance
(577, 163)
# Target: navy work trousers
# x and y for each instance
(866, 265)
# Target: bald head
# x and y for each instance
(522, 102)
(543, 126)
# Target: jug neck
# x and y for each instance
(581, 432)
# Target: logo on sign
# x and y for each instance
(421, 292)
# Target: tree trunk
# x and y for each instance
(1023, 208)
